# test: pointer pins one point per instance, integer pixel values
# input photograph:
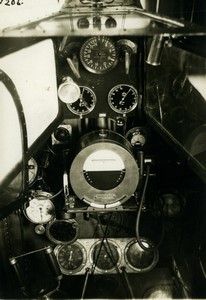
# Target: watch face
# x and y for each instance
(98, 54)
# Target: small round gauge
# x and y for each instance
(32, 170)
(98, 54)
(85, 103)
(123, 98)
(105, 255)
(40, 209)
(136, 136)
(138, 259)
(62, 231)
(71, 258)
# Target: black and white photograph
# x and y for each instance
(102, 149)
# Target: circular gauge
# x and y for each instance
(98, 54)
(68, 91)
(40, 209)
(33, 169)
(138, 259)
(136, 136)
(104, 172)
(123, 98)
(71, 258)
(62, 231)
(105, 256)
(85, 103)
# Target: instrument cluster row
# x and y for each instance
(105, 256)
(81, 100)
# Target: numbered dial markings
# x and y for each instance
(71, 258)
(123, 98)
(98, 54)
(39, 210)
(86, 102)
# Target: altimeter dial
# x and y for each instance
(98, 54)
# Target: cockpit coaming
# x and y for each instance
(103, 153)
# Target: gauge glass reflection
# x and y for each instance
(138, 259)
(71, 258)
(32, 170)
(62, 231)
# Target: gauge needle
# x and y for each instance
(82, 101)
(70, 255)
(124, 95)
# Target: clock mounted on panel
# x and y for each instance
(98, 54)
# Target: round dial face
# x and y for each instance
(86, 102)
(123, 98)
(39, 211)
(106, 255)
(71, 258)
(139, 259)
(33, 169)
(98, 54)
(62, 231)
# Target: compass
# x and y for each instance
(98, 54)
(86, 102)
(123, 98)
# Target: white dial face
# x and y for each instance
(40, 211)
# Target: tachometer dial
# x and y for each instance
(86, 102)
(98, 54)
(123, 98)
(40, 209)
(71, 258)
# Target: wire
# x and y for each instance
(102, 242)
(55, 195)
(150, 247)
(23, 129)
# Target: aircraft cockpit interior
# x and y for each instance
(103, 150)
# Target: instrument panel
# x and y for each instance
(105, 256)
(106, 70)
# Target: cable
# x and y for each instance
(7, 81)
(104, 235)
(139, 240)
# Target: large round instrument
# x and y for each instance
(104, 173)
